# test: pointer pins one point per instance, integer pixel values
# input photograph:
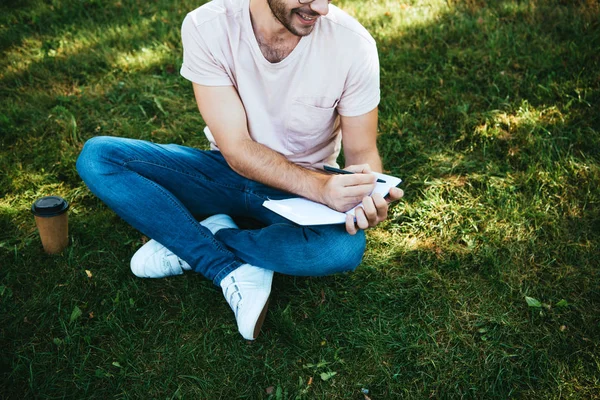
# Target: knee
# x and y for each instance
(346, 252)
(338, 252)
(95, 152)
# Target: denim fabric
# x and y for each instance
(162, 190)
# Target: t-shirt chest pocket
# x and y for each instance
(309, 124)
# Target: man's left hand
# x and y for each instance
(374, 210)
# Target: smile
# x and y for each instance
(307, 17)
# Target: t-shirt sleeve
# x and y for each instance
(199, 64)
(361, 92)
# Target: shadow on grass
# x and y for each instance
(467, 80)
(24, 19)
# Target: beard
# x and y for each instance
(286, 17)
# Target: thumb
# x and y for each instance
(394, 194)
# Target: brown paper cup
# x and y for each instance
(54, 232)
(52, 222)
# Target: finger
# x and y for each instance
(361, 218)
(350, 225)
(356, 179)
(394, 194)
(370, 210)
(357, 192)
(359, 168)
(381, 205)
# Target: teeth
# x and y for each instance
(306, 17)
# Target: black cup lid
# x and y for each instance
(49, 206)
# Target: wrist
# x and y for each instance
(316, 187)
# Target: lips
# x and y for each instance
(307, 18)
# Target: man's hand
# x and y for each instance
(374, 208)
(373, 211)
(343, 192)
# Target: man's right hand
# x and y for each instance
(343, 192)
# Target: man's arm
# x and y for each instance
(224, 113)
(359, 141)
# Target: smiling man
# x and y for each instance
(283, 86)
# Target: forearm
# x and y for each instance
(370, 157)
(262, 164)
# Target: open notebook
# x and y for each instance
(306, 212)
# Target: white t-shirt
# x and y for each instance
(292, 106)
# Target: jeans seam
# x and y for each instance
(226, 271)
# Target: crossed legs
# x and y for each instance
(162, 190)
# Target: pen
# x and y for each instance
(343, 172)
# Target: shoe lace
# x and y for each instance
(233, 296)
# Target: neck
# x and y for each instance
(267, 27)
(274, 40)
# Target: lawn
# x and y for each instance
(484, 282)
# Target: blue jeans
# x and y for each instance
(162, 190)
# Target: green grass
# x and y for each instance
(490, 114)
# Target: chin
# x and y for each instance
(301, 30)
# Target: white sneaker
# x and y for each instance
(218, 222)
(247, 291)
(153, 260)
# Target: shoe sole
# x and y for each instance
(261, 319)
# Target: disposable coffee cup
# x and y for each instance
(51, 218)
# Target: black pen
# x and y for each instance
(343, 172)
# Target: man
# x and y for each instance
(282, 85)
